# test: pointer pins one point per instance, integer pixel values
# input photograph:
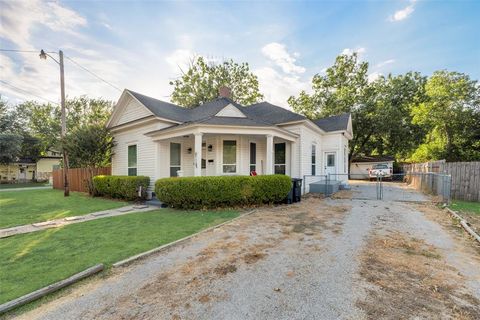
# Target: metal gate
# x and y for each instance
(396, 187)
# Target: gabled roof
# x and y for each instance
(258, 114)
(334, 123)
(160, 108)
(272, 113)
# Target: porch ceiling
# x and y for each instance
(183, 130)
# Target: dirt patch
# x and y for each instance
(441, 216)
(344, 194)
(233, 248)
(473, 220)
(407, 278)
(225, 269)
(204, 298)
(251, 258)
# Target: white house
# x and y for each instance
(221, 137)
(360, 165)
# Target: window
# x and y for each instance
(132, 160)
(280, 157)
(175, 158)
(314, 157)
(330, 160)
(229, 156)
(253, 156)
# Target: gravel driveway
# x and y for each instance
(339, 258)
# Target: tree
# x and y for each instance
(89, 146)
(451, 115)
(43, 120)
(201, 82)
(395, 133)
(10, 147)
(343, 88)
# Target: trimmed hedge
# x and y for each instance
(121, 187)
(222, 191)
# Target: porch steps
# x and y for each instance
(322, 187)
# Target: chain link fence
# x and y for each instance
(395, 187)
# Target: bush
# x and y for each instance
(222, 191)
(121, 187)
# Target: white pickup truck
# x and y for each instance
(380, 170)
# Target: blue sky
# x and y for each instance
(141, 45)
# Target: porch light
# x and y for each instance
(189, 150)
(210, 148)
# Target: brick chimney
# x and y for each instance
(224, 92)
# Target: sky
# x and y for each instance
(143, 45)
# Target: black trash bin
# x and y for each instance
(296, 190)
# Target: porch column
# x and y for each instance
(293, 159)
(269, 155)
(197, 159)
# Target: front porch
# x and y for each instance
(214, 151)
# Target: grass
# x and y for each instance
(31, 261)
(466, 206)
(22, 185)
(29, 206)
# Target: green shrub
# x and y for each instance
(121, 187)
(222, 191)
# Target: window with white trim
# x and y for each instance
(280, 158)
(175, 158)
(314, 159)
(132, 160)
(253, 156)
(229, 156)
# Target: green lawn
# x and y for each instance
(31, 261)
(466, 206)
(28, 206)
(22, 185)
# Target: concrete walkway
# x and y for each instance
(8, 232)
(24, 189)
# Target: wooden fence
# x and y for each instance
(465, 183)
(77, 177)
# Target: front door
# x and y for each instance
(330, 163)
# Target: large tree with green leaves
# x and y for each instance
(380, 109)
(89, 146)
(451, 114)
(43, 120)
(200, 83)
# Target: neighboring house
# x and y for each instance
(27, 169)
(221, 137)
(360, 166)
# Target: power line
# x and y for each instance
(26, 92)
(24, 51)
(92, 73)
(75, 62)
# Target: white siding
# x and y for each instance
(147, 151)
(230, 111)
(133, 111)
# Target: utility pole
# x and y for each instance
(43, 55)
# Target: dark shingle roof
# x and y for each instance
(272, 113)
(162, 109)
(258, 114)
(334, 123)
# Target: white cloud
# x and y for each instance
(19, 18)
(277, 88)
(403, 13)
(179, 59)
(349, 51)
(277, 53)
(374, 76)
(384, 63)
